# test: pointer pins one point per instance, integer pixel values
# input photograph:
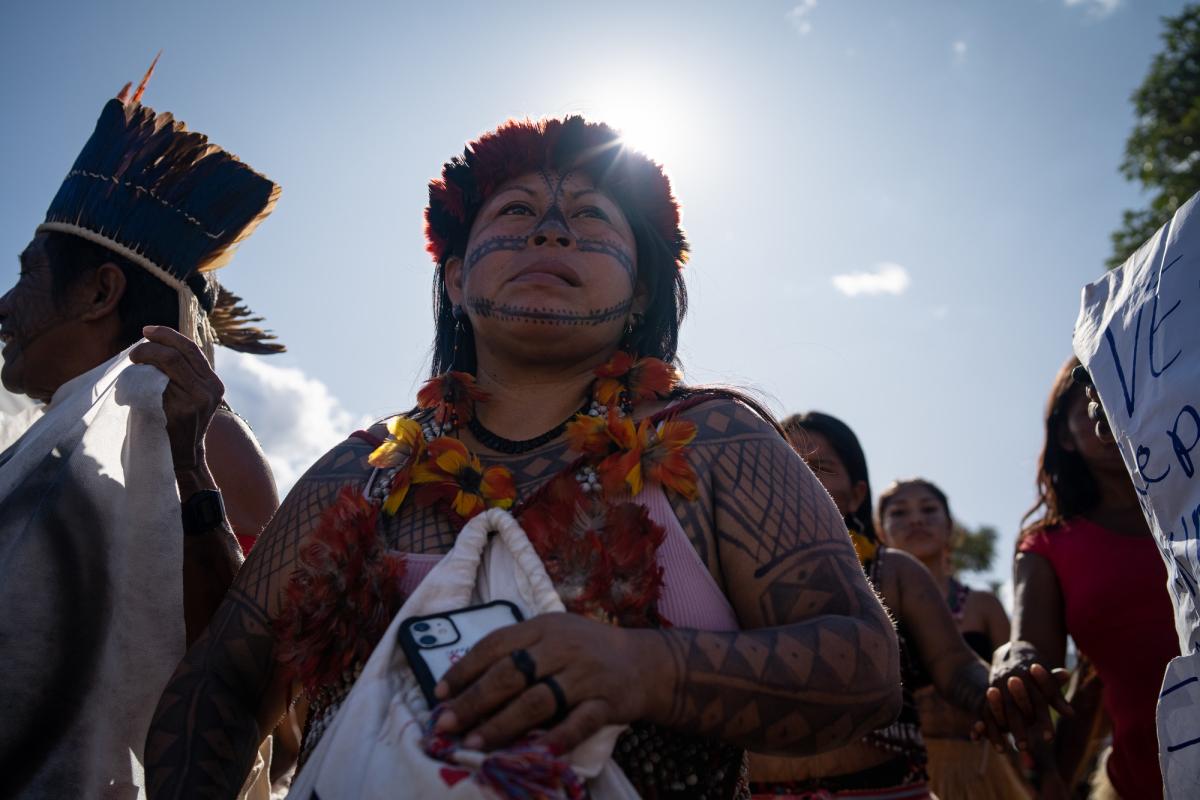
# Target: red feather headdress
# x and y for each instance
(635, 182)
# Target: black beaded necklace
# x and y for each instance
(495, 441)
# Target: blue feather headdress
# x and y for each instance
(165, 198)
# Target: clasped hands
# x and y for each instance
(1020, 697)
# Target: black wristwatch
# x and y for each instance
(202, 512)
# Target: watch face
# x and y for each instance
(202, 512)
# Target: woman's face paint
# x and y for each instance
(916, 521)
(550, 249)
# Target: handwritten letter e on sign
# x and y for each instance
(1138, 334)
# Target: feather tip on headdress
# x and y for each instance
(165, 198)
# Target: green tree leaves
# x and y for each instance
(1163, 151)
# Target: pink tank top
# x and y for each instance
(690, 598)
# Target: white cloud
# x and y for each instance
(798, 16)
(295, 418)
(885, 278)
(959, 48)
(1098, 9)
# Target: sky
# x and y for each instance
(892, 206)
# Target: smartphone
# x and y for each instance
(435, 642)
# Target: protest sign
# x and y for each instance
(1139, 337)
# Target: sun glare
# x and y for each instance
(653, 122)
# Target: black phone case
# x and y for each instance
(412, 651)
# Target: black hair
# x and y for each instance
(889, 494)
(848, 449)
(146, 301)
(1065, 485)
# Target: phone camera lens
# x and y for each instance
(427, 640)
(421, 627)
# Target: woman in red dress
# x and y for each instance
(1087, 567)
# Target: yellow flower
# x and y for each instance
(452, 474)
(864, 548)
(403, 447)
(404, 434)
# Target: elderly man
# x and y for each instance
(115, 541)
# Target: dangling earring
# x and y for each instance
(458, 314)
(632, 326)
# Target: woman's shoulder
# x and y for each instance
(899, 570)
(723, 415)
(346, 462)
(242, 473)
(229, 431)
(1045, 539)
(983, 603)
(901, 561)
(377, 431)
(234, 453)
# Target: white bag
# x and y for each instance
(372, 748)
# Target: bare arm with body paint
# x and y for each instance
(227, 693)
(815, 666)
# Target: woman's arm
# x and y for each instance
(958, 674)
(817, 662)
(815, 666)
(226, 695)
(1039, 623)
(1037, 646)
(242, 473)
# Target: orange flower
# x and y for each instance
(402, 449)
(588, 435)
(657, 453)
(451, 474)
(453, 395)
(639, 380)
(624, 467)
(665, 461)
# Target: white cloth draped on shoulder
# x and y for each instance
(91, 586)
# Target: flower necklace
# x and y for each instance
(616, 455)
(598, 545)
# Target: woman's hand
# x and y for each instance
(1020, 698)
(191, 397)
(499, 690)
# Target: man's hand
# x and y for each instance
(190, 400)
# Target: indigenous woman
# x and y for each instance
(1087, 567)
(915, 517)
(558, 299)
(890, 761)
